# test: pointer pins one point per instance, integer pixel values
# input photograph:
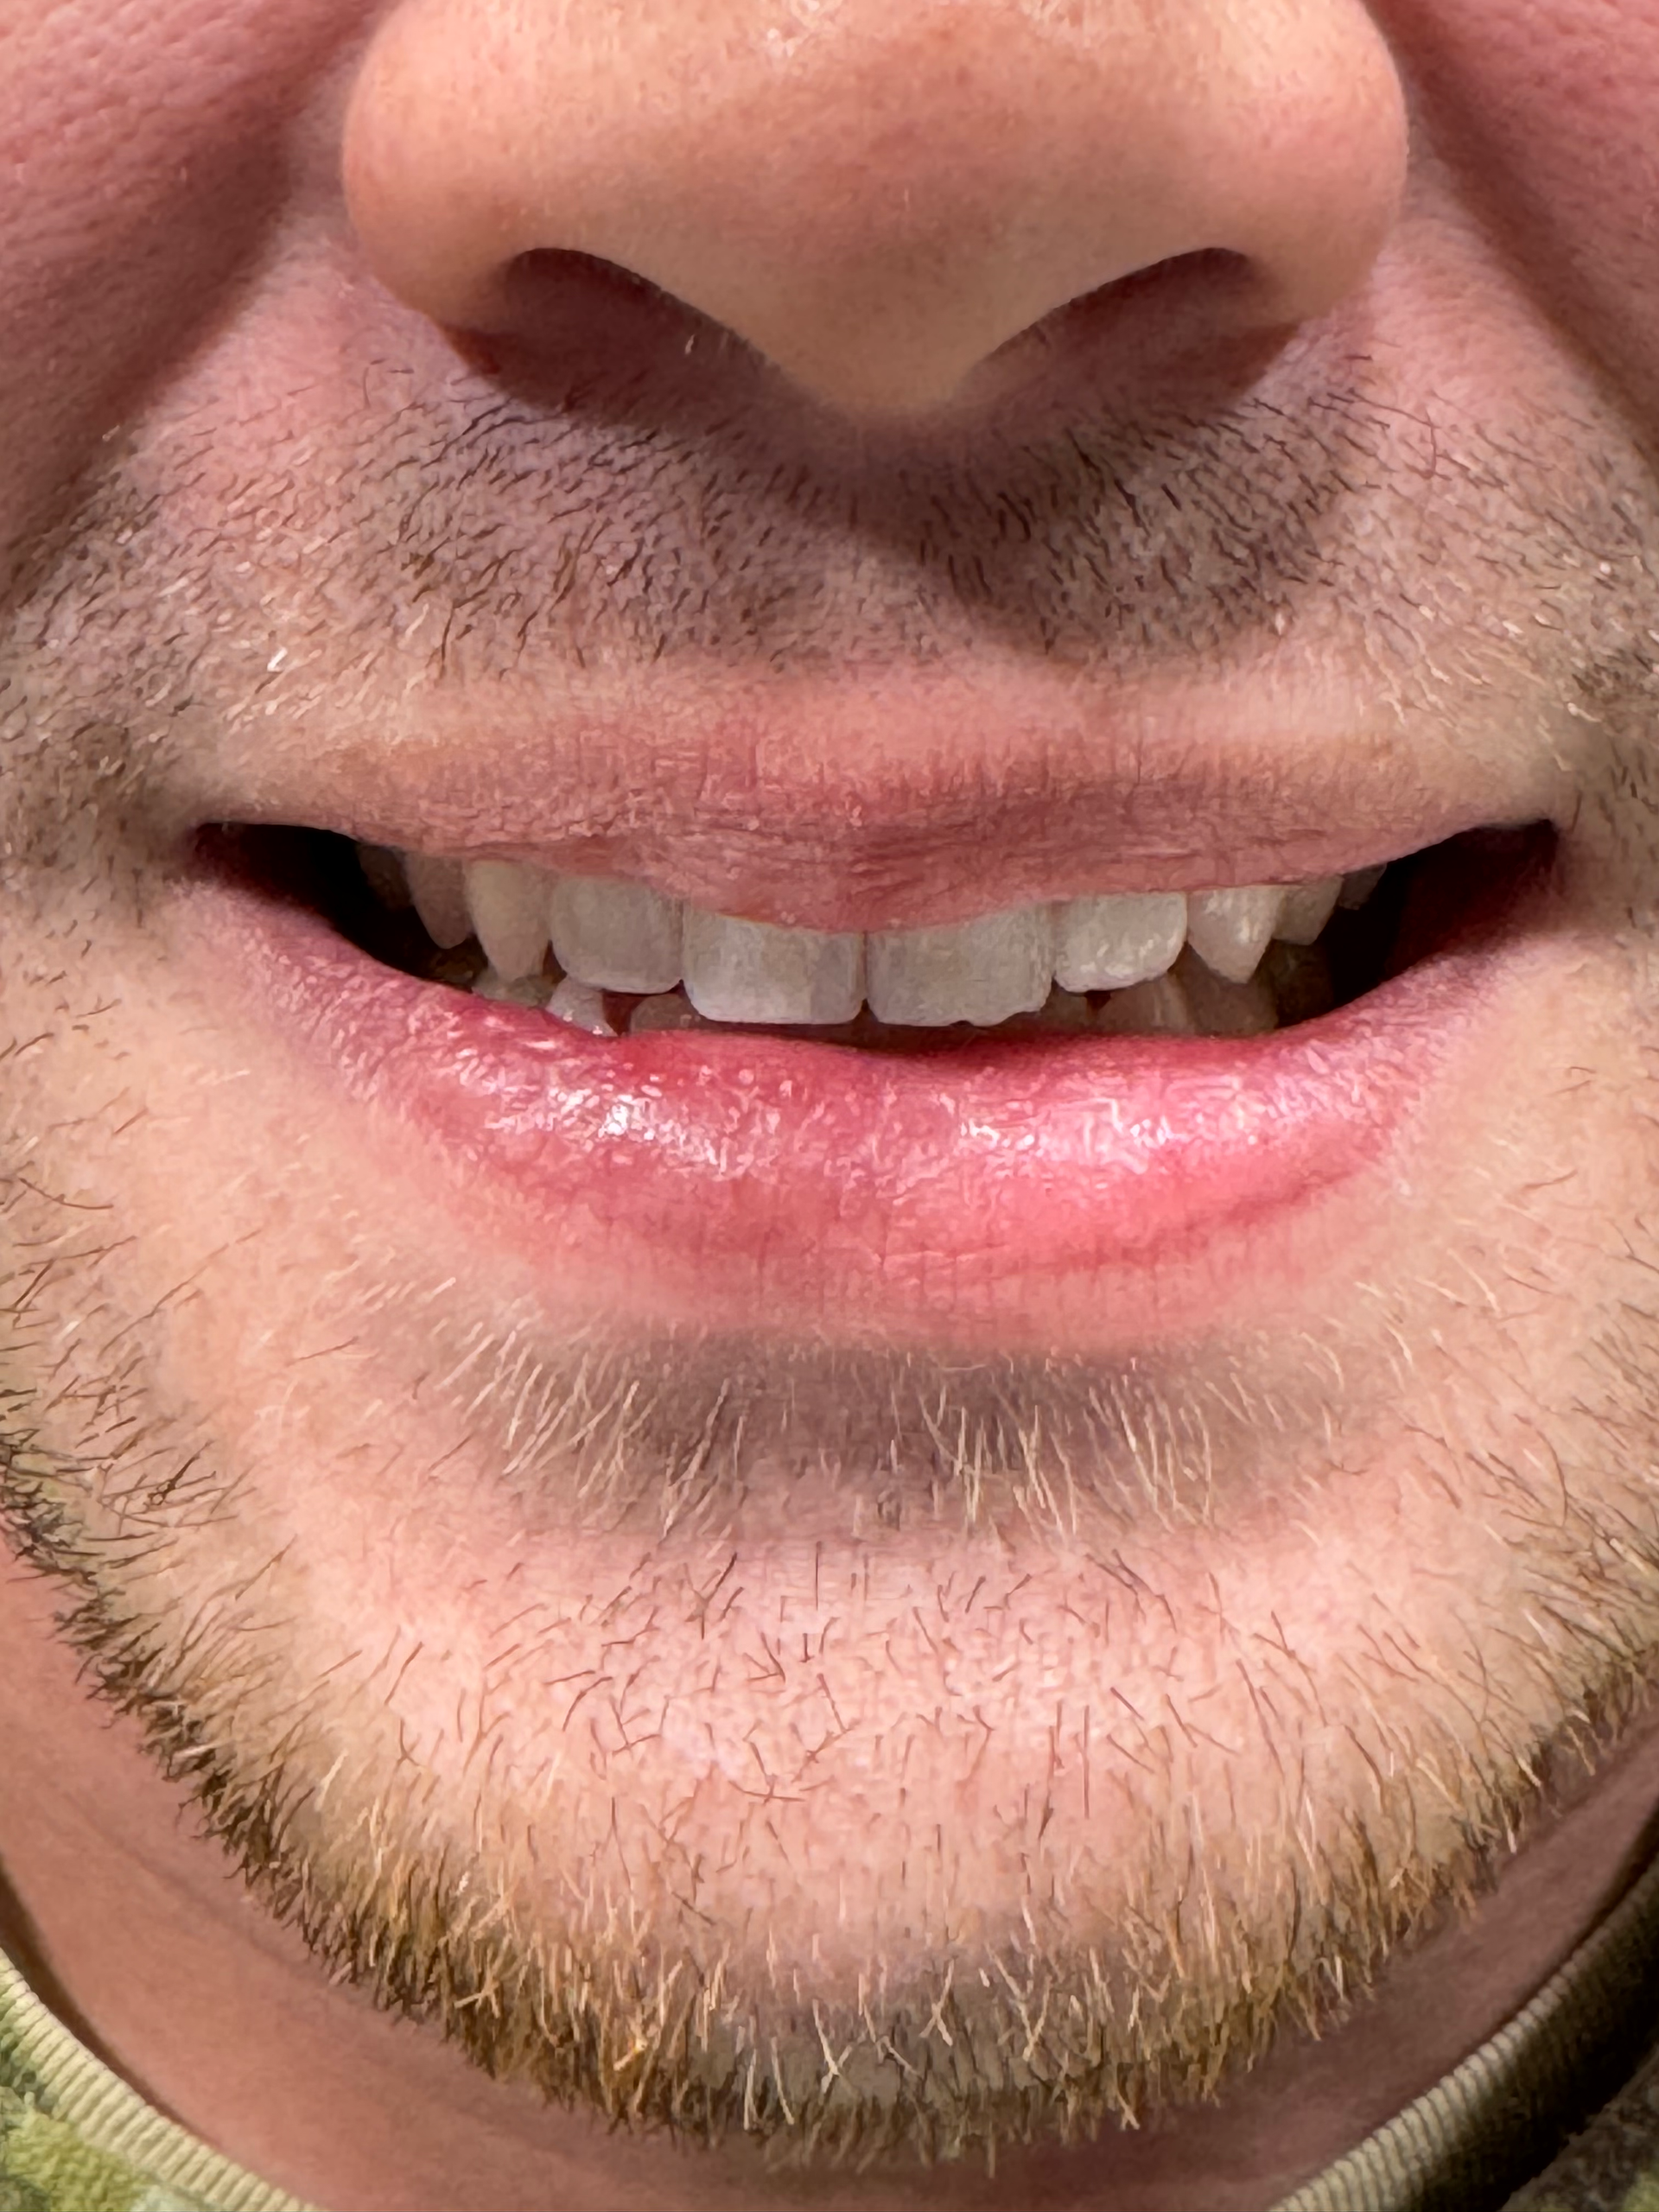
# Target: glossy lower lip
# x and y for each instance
(748, 1180)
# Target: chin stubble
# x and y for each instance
(1148, 545)
(1042, 2029)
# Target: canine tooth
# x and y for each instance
(582, 1006)
(1157, 1007)
(1220, 1008)
(1307, 908)
(1357, 888)
(509, 909)
(616, 935)
(1106, 945)
(982, 972)
(1230, 930)
(382, 871)
(440, 895)
(753, 972)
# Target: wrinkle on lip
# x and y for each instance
(895, 805)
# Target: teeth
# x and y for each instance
(1105, 944)
(512, 990)
(1307, 908)
(1157, 1007)
(440, 896)
(982, 971)
(615, 935)
(1220, 1008)
(1172, 961)
(668, 1010)
(582, 1006)
(1230, 931)
(508, 906)
(750, 971)
(1357, 888)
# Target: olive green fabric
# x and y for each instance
(1495, 2134)
(73, 2138)
(1535, 2120)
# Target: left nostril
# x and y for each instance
(884, 209)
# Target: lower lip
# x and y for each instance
(770, 1179)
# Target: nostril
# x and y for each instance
(558, 314)
(1202, 311)
(548, 293)
(884, 214)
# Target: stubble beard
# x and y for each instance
(1139, 1952)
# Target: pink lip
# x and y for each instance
(738, 1177)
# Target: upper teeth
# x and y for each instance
(612, 934)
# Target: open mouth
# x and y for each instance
(614, 957)
(986, 1129)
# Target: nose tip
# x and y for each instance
(875, 205)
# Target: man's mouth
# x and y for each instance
(612, 956)
(659, 1143)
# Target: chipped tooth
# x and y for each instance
(1306, 908)
(754, 971)
(1357, 888)
(1157, 1007)
(982, 971)
(667, 1010)
(382, 871)
(508, 905)
(1231, 929)
(1220, 1008)
(582, 1006)
(439, 892)
(615, 934)
(1106, 945)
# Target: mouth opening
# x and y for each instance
(1381, 921)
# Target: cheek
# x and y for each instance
(1547, 113)
(144, 149)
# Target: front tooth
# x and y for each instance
(754, 971)
(1231, 929)
(982, 972)
(440, 895)
(1106, 945)
(615, 935)
(1307, 908)
(509, 909)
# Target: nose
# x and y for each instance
(876, 198)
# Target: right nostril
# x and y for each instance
(553, 299)
(540, 269)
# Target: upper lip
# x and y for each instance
(860, 806)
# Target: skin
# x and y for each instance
(289, 1592)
